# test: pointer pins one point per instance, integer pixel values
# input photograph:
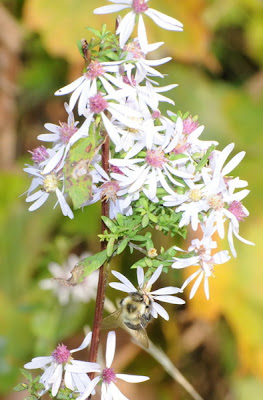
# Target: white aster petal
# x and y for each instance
(124, 280)
(154, 276)
(132, 378)
(160, 310)
(140, 276)
(110, 348)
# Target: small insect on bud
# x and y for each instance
(85, 49)
(152, 253)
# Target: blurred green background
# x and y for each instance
(218, 60)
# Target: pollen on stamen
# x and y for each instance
(97, 103)
(66, 132)
(155, 158)
(61, 354)
(50, 183)
(94, 70)
(109, 191)
(108, 375)
(195, 194)
(216, 202)
(237, 209)
(139, 6)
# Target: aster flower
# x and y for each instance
(144, 68)
(139, 7)
(203, 259)
(155, 169)
(63, 137)
(49, 183)
(109, 190)
(100, 104)
(86, 86)
(184, 137)
(107, 377)
(60, 367)
(83, 292)
(163, 294)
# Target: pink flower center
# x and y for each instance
(109, 191)
(97, 103)
(66, 132)
(216, 202)
(61, 354)
(139, 6)
(39, 154)
(134, 49)
(236, 208)
(116, 170)
(181, 147)
(128, 81)
(94, 70)
(189, 125)
(108, 375)
(155, 158)
(156, 114)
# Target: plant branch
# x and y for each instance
(103, 271)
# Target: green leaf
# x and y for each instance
(20, 387)
(110, 246)
(95, 31)
(145, 221)
(122, 246)
(108, 222)
(204, 160)
(26, 374)
(91, 263)
(78, 181)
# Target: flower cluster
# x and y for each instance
(159, 158)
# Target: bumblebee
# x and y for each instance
(134, 313)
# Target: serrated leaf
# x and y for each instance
(153, 218)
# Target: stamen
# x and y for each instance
(66, 132)
(155, 158)
(216, 202)
(61, 354)
(135, 49)
(109, 191)
(139, 6)
(195, 194)
(108, 375)
(50, 183)
(97, 103)
(39, 154)
(189, 125)
(94, 70)
(237, 209)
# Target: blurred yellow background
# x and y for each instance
(218, 59)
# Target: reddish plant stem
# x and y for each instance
(102, 271)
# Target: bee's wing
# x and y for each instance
(141, 336)
(113, 320)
